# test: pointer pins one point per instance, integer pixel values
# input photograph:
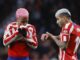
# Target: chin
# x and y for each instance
(59, 25)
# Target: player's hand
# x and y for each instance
(19, 37)
(22, 31)
(44, 37)
(49, 34)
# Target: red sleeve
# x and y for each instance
(66, 31)
(9, 35)
(32, 35)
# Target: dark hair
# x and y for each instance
(66, 14)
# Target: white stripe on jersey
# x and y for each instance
(67, 25)
(74, 58)
(13, 30)
(64, 38)
(60, 54)
(77, 41)
(63, 55)
(9, 41)
(71, 29)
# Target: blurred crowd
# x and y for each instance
(42, 16)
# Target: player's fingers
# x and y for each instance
(48, 33)
(43, 37)
(46, 36)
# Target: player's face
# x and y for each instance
(22, 20)
(60, 20)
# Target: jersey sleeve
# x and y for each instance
(32, 37)
(77, 30)
(66, 31)
(9, 35)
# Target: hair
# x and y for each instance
(66, 14)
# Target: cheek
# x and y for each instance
(61, 21)
(58, 22)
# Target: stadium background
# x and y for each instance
(42, 17)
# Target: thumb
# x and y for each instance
(49, 33)
(44, 37)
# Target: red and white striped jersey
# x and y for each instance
(71, 34)
(19, 47)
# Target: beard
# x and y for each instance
(59, 25)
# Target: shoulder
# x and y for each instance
(10, 25)
(31, 27)
(77, 28)
(69, 27)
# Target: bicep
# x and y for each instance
(65, 37)
(31, 32)
(6, 34)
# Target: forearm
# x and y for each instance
(32, 43)
(10, 39)
(59, 43)
(31, 37)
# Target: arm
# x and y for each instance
(31, 38)
(62, 45)
(9, 35)
(64, 36)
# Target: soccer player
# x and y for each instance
(20, 36)
(69, 38)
